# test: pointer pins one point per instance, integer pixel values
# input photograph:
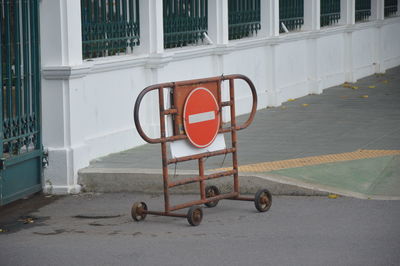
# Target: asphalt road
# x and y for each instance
(97, 230)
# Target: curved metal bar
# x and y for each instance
(137, 107)
(254, 95)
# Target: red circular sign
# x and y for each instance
(201, 117)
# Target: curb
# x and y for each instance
(150, 181)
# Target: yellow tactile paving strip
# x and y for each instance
(314, 160)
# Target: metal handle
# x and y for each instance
(136, 114)
(254, 95)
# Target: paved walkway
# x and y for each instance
(344, 140)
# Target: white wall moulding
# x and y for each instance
(87, 105)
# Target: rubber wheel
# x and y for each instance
(137, 211)
(195, 215)
(263, 200)
(212, 191)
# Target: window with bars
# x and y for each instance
(244, 18)
(185, 22)
(109, 27)
(291, 14)
(330, 12)
(363, 10)
(390, 8)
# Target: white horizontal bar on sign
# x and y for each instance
(201, 117)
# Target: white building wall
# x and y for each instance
(88, 105)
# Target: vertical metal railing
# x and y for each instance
(330, 12)
(291, 13)
(20, 83)
(109, 27)
(391, 8)
(244, 18)
(185, 22)
(363, 10)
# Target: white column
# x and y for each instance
(377, 10)
(313, 67)
(61, 51)
(269, 18)
(61, 34)
(347, 17)
(398, 8)
(347, 12)
(151, 27)
(218, 27)
(312, 15)
(273, 93)
(378, 14)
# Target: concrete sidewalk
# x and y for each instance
(344, 141)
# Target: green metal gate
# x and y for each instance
(20, 129)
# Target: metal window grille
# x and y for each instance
(330, 12)
(363, 10)
(291, 13)
(244, 18)
(109, 27)
(390, 8)
(20, 82)
(185, 22)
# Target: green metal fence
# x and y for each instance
(185, 22)
(363, 10)
(291, 13)
(20, 136)
(244, 18)
(330, 12)
(109, 27)
(390, 8)
(20, 82)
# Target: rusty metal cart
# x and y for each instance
(209, 195)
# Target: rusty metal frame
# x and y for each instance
(202, 177)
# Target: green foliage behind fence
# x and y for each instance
(244, 18)
(291, 13)
(330, 12)
(390, 8)
(185, 22)
(109, 27)
(363, 10)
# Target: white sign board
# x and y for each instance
(183, 147)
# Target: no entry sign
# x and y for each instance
(201, 117)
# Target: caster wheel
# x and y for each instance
(137, 211)
(263, 200)
(212, 191)
(195, 215)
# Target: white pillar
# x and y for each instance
(273, 93)
(347, 12)
(377, 10)
(269, 18)
(312, 15)
(61, 34)
(378, 14)
(398, 8)
(61, 50)
(151, 27)
(218, 27)
(347, 17)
